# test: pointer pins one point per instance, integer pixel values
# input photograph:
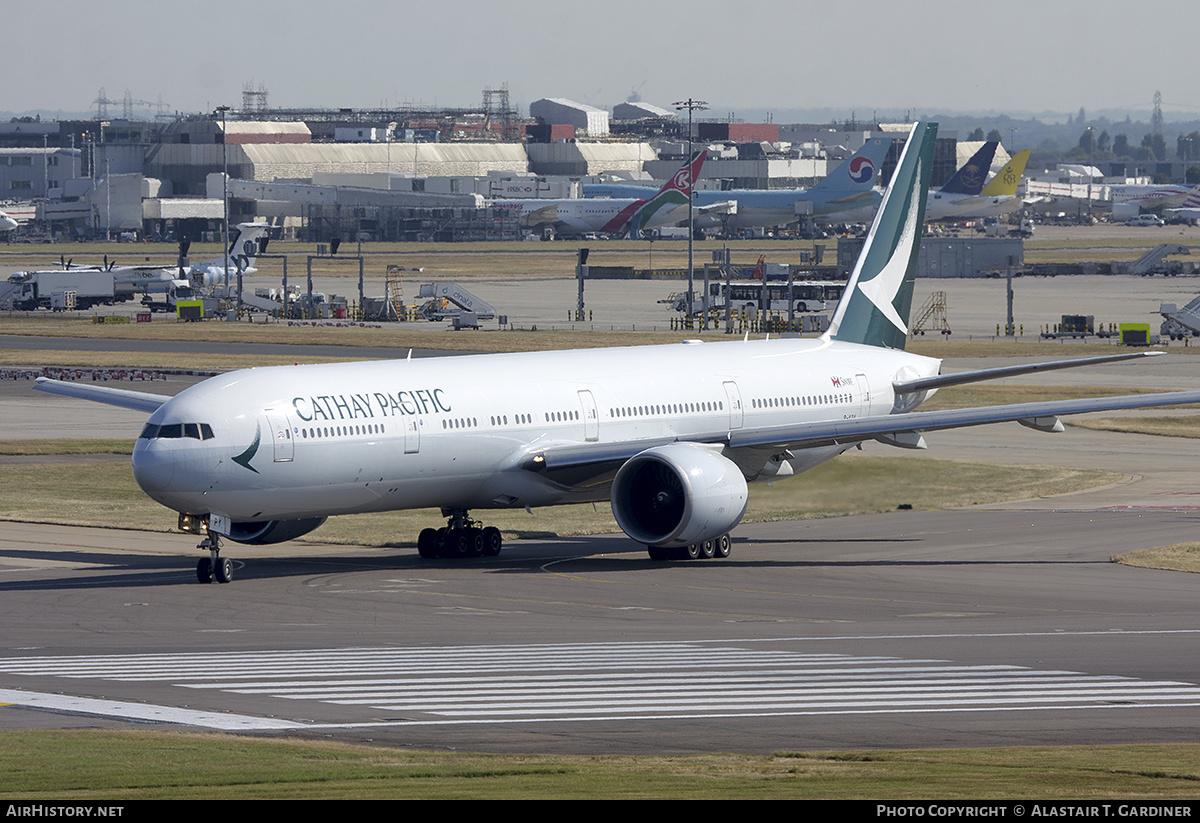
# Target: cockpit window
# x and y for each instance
(175, 431)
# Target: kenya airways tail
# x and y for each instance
(675, 192)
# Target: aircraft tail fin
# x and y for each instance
(246, 242)
(675, 192)
(1192, 201)
(1005, 183)
(860, 171)
(875, 306)
(970, 178)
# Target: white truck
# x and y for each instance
(64, 290)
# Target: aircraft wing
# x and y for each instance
(719, 207)
(1043, 416)
(959, 378)
(588, 463)
(125, 398)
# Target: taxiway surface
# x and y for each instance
(894, 630)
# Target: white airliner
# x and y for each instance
(246, 242)
(1190, 209)
(670, 434)
(999, 196)
(7, 223)
(609, 215)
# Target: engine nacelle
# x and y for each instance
(679, 494)
(272, 531)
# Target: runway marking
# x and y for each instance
(578, 682)
(142, 711)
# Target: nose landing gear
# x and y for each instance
(213, 567)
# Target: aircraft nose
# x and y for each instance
(153, 467)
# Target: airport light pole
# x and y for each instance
(691, 106)
(225, 198)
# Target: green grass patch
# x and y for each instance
(999, 394)
(67, 766)
(1182, 426)
(1181, 557)
(104, 494)
(65, 447)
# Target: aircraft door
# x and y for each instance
(864, 395)
(735, 404)
(412, 435)
(591, 418)
(281, 435)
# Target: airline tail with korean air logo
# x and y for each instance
(875, 306)
(858, 173)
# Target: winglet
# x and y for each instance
(874, 309)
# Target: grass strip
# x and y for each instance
(1181, 426)
(66, 766)
(1181, 557)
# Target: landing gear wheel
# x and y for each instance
(493, 541)
(427, 543)
(475, 545)
(204, 570)
(456, 543)
(690, 552)
(724, 546)
(224, 570)
(708, 549)
(460, 538)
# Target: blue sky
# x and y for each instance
(867, 56)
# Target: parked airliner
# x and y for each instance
(999, 196)
(246, 242)
(7, 223)
(966, 183)
(669, 434)
(846, 194)
(609, 215)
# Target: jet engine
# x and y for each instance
(677, 495)
(272, 531)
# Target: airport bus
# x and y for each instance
(754, 296)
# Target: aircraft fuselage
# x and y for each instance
(306, 441)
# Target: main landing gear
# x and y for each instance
(461, 537)
(719, 547)
(214, 566)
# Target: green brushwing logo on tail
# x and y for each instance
(875, 310)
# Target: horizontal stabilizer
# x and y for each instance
(942, 380)
(125, 398)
